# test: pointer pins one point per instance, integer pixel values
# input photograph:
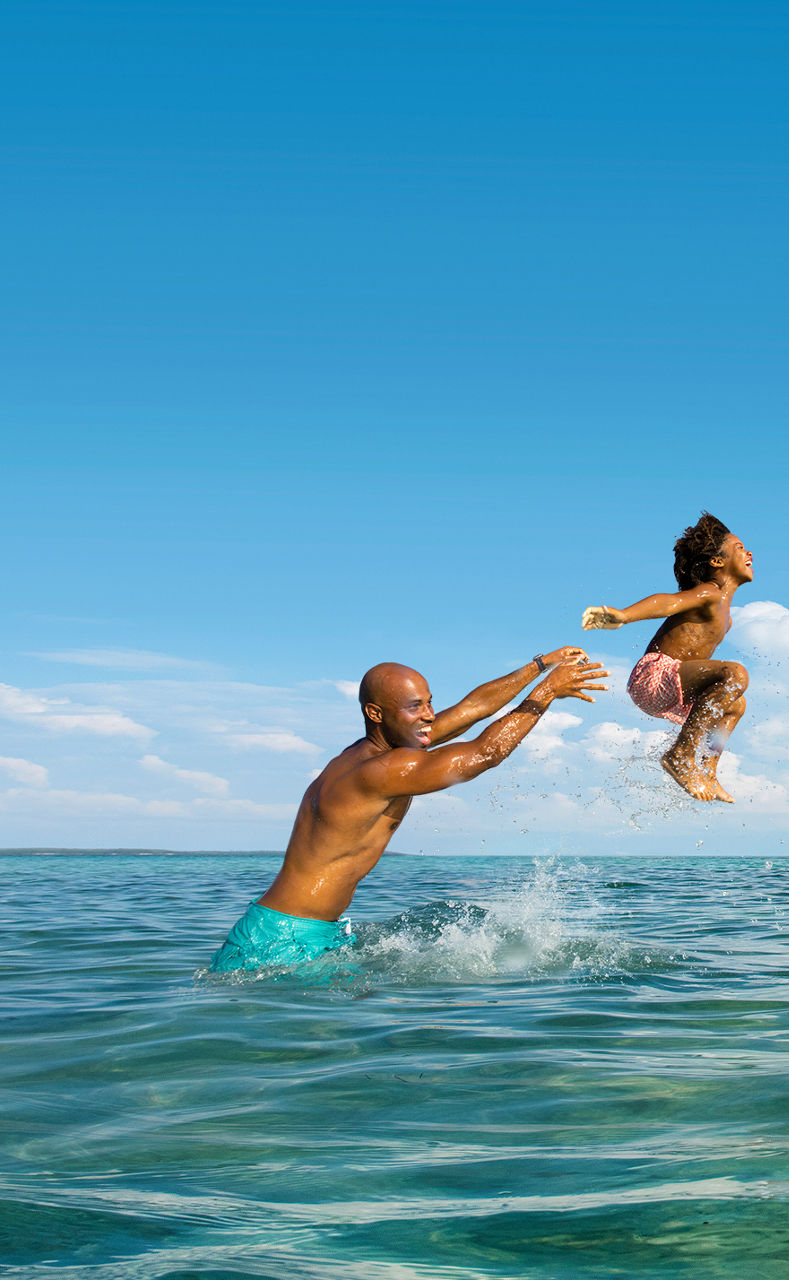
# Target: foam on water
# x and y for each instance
(530, 932)
(519, 932)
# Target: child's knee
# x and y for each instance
(736, 676)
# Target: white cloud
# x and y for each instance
(557, 722)
(313, 711)
(62, 715)
(92, 804)
(30, 775)
(243, 809)
(279, 740)
(770, 737)
(545, 740)
(761, 627)
(122, 659)
(549, 806)
(611, 741)
(751, 787)
(207, 782)
(95, 804)
(350, 688)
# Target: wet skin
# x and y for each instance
(351, 811)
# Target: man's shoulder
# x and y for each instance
(347, 761)
(374, 766)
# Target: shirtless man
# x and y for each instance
(677, 678)
(351, 811)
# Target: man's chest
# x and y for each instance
(395, 811)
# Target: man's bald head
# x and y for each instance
(397, 707)
(387, 682)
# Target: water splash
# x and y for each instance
(641, 790)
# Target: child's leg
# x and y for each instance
(715, 689)
(720, 735)
(718, 738)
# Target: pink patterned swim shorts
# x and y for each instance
(655, 687)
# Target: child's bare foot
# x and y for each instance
(691, 780)
(719, 792)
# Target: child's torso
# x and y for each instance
(695, 634)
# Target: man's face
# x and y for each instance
(407, 713)
(737, 561)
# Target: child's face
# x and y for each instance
(736, 560)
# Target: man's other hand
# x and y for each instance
(572, 679)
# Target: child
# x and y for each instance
(677, 678)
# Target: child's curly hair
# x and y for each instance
(699, 544)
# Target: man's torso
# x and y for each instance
(341, 830)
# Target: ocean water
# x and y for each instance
(556, 1069)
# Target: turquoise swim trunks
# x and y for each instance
(263, 936)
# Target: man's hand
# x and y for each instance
(571, 679)
(561, 655)
(602, 617)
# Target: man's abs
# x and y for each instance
(321, 887)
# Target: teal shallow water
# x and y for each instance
(558, 1070)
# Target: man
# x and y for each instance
(351, 811)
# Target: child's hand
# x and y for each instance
(602, 617)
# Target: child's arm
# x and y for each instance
(659, 606)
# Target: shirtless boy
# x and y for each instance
(351, 811)
(677, 678)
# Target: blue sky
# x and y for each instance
(336, 333)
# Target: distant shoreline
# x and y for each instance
(135, 851)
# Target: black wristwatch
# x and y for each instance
(541, 664)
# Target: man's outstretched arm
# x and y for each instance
(489, 698)
(411, 773)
